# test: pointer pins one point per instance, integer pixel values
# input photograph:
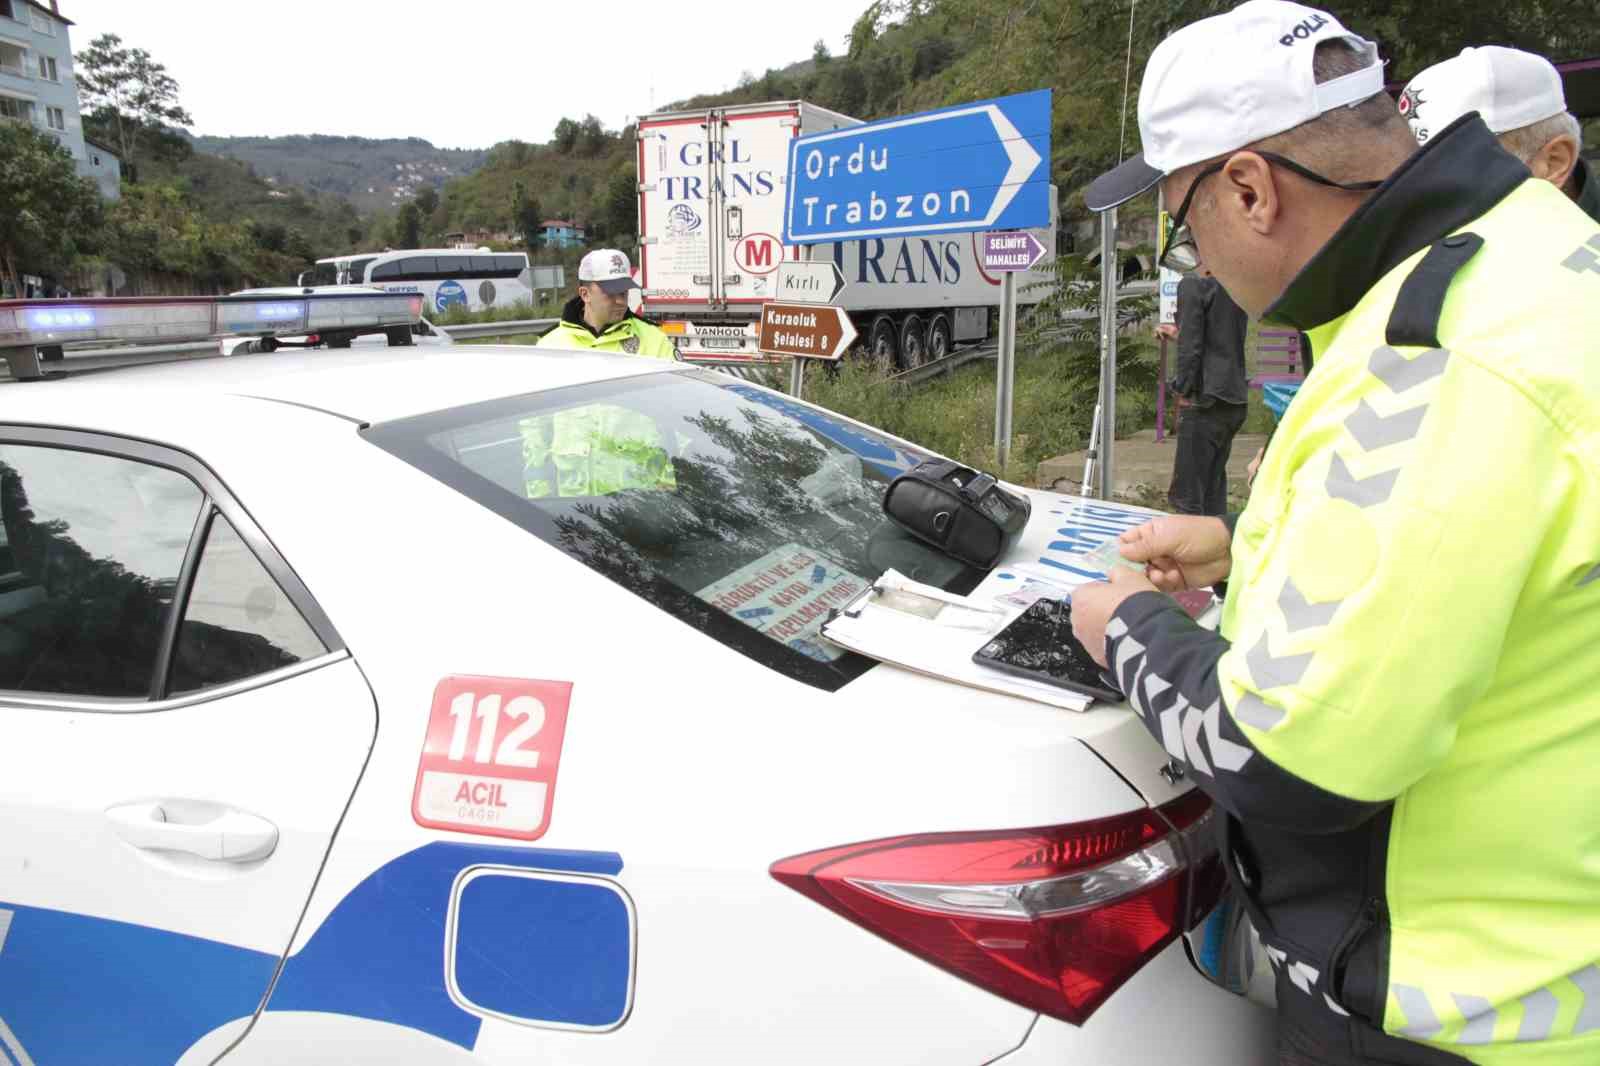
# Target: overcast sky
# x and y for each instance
(459, 73)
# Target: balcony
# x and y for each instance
(13, 61)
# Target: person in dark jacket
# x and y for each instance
(1213, 394)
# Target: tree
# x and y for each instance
(127, 90)
(593, 139)
(618, 209)
(48, 215)
(298, 246)
(408, 227)
(864, 34)
(525, 217)
(820, 54)
(159, 228)
(273, 236)
(567, 133)
(427, 201)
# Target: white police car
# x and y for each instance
(330, 731)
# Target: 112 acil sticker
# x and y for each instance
(490, 758)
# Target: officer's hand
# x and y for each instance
(1255, 464)
(1182, 551)
(1094, 604)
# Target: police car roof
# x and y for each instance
(372, 385)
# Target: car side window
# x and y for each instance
(237, 623)
(94, 545)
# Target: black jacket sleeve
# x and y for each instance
(1186, 381)
(1167, 665)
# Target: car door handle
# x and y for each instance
(206, 830)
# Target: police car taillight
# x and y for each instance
(32, 331)
(1055, 919)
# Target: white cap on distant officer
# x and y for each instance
(1508, 88)
(607, 268)
(1230, 80)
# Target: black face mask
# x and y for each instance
(1179, 251)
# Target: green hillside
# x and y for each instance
(371, 174)
(913, 55)
(227, 189)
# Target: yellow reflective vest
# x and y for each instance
(593, 450)
(1401, 717)
(597, 449)
(630, 335)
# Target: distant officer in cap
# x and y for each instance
(1520, 98)
(598, 316)
(598, 448)
(1399, 716)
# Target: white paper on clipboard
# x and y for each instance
(934, 646)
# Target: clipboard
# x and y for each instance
(927, 630)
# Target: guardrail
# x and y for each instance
(479, 330)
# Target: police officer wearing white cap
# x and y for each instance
(598, 316)
(1520, 98)
(1399, 715)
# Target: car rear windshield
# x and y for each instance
(742, 512)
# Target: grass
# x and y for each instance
(457, 315)
(1053, 405)
(1054, 397)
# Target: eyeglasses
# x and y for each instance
(1179, 251)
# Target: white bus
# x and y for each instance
(446, 277)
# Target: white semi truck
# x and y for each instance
(711, 194)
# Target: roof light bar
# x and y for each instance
(35, 330)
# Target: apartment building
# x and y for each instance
(37, 86)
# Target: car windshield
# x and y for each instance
(744, 513)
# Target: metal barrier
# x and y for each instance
(481, 330)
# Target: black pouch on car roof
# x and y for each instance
(963, 513)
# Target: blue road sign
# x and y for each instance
(978, 166)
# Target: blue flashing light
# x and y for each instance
(53, 318)
(285, 312)
(266, 316)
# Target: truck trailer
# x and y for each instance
(711, 194)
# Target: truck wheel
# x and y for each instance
(883, 346)
(938, 337)
(913, 343)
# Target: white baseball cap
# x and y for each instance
(607, 268)
(1508, 88)
(1230, 80)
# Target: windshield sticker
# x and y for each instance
(787, 594)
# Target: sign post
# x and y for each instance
(1008, 253)
(963, 169)
(809, 283)
(810, 331)
(1106, 410)
(1167, 311)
